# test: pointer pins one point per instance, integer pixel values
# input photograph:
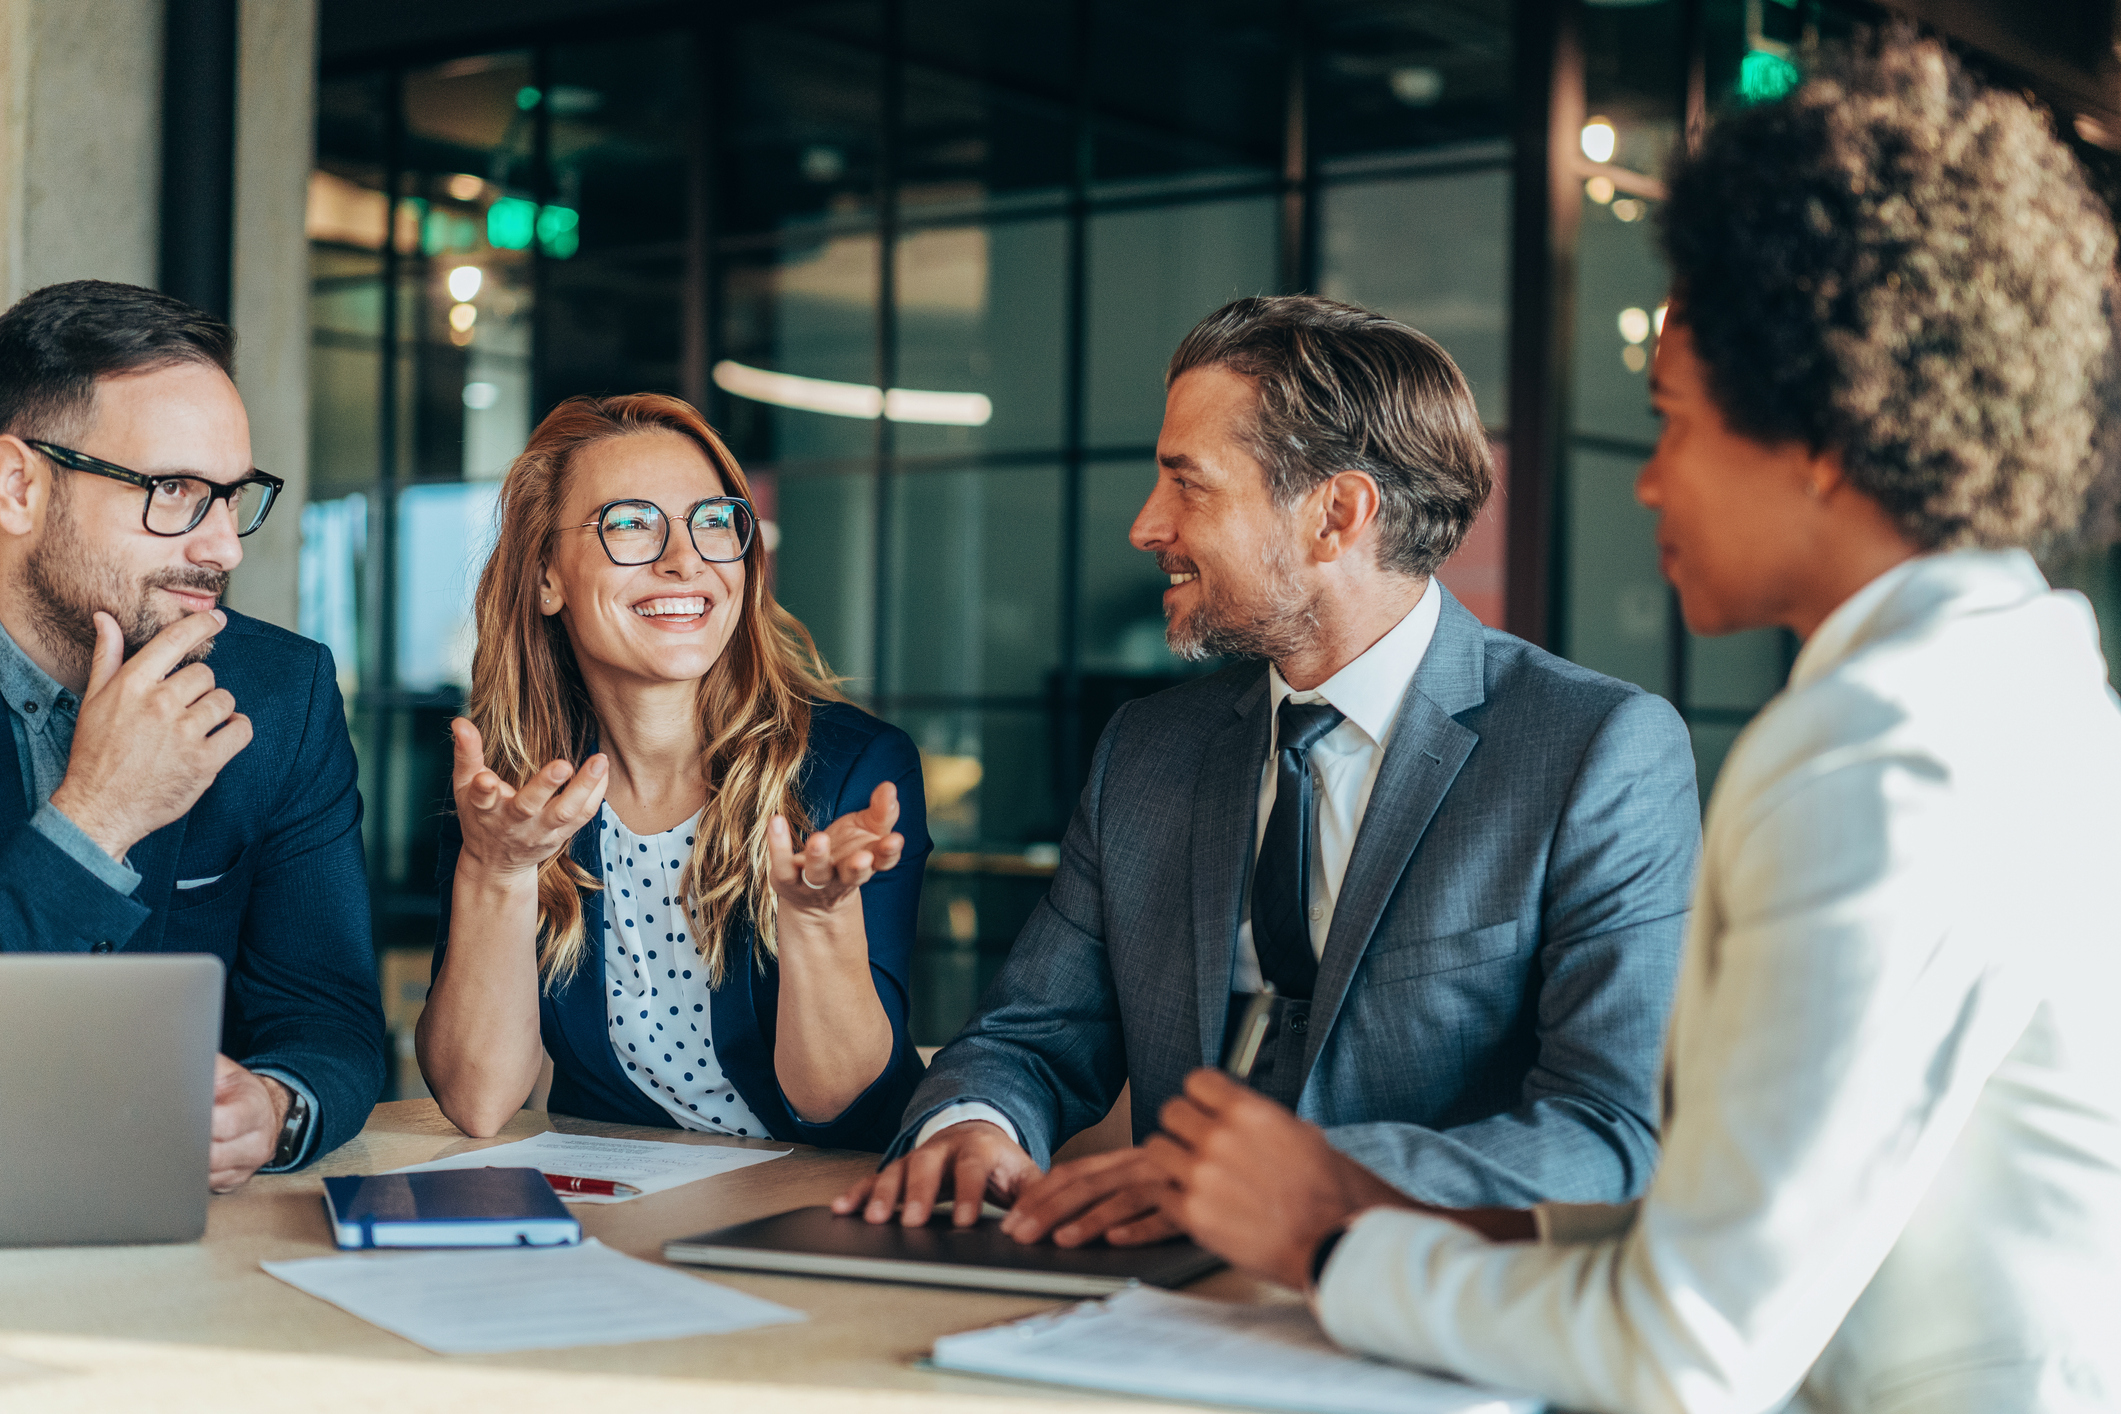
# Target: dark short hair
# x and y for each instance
(1343, 389)
(1901, 263)
(56, 342)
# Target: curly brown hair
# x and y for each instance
(1903, 263)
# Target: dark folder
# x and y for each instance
(818, 1242)
(489, 1207)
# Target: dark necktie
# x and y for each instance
(1281, 882)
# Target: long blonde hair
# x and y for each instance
(530, 704)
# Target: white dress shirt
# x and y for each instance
(1344, 765)
(1891, 1177)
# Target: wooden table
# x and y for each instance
(200, 1327)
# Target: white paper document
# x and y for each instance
(547, 1298)
(648, 1164)
(1157, 1343)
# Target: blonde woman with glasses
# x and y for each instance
(680, 863)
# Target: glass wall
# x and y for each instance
(923, 264)
(923, 261)
(1645, 67)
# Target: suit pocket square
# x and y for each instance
(201, 883)
(1423, 956)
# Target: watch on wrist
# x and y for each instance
(295, 1131)
(1323, 1253)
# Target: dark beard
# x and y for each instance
(67, 582)
(1278, 625)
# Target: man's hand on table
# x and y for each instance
(249, 1111)
(1117, 1196)
(1261, 1188)
(1121, 1196)
(976, 1158)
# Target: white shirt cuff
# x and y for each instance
(959, 1114)
(1363, 1300)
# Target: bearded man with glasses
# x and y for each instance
(149, 801)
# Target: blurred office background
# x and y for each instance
(922, 261)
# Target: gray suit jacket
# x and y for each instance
(1490, 1007)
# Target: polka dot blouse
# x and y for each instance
(658, 1003)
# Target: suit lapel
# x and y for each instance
(1427, 749)
(14, 811)
(1225, 802)
(583, 1019)
(154, 859)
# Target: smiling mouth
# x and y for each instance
(1178, 579)
(690, 608)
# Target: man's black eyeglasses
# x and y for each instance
(176, 504)
(637, 532)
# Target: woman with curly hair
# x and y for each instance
(630, 882)
(1891, 1167)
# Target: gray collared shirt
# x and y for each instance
(41, 714)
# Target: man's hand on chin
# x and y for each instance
(249, 1111)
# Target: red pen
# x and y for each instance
(603, 1187)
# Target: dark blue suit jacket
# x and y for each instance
(279, 832)
(850, 753)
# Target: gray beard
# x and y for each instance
(65, 582)
(1278, 625)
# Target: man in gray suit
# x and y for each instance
(1462, 864)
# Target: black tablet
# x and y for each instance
(819, 1242)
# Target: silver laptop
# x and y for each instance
(106, 1096)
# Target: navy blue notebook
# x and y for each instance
(449, 1208)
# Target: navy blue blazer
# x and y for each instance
(850, 752)
(279, 834)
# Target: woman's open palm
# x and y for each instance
(510, 831)
(838, 859)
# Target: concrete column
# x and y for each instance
(81, 155)
(276, 94)
(80, 192)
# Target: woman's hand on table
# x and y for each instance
(837, 860)
(510, 833)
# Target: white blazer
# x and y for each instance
(1891, 1172)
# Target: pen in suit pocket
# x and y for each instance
(1251, 1032)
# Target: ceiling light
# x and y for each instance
(464, 282)
(836, 399)
(937, 409)
(1634, 324)
(1599, 189)
(463, 316)
(1598, 140)
(465, 187)
(1417, 85)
